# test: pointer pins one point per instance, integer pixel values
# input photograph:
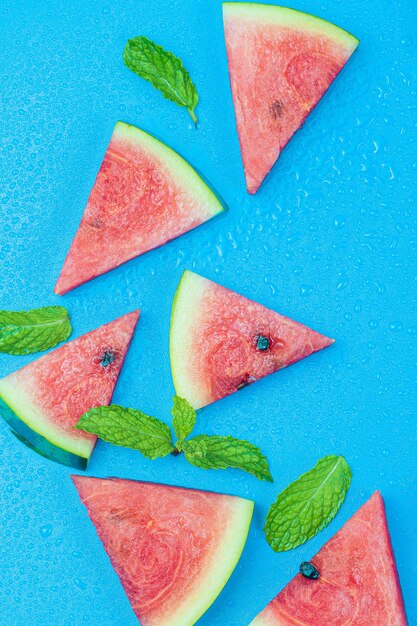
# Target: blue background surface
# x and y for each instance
(328, 240)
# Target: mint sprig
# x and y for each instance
(153, 438)
(26, 332)
(308, 504)
(163, 70)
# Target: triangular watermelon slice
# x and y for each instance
(358, 583)
(221, 341)
(44, 400)
(144, 195)
(281, 62)
(173, 549)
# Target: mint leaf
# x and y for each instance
(25, 332)
(307, 505)
(163, 70)
(184, 417)
(129, 428)
(213, 452)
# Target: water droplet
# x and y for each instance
(46, 531)
(306, 290)
(342, 282)
(80, 584)
(339, 221)
(395, 327)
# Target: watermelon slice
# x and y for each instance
(358, 583)
(44, 400)
(173, 549)
(221, 341)
(145, 194)
(281, 62)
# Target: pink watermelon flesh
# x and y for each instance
(226, 341)
(144, 195)
(358, 584)
(165, 543)
(281, 62)
(50, 394)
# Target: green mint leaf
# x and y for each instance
(129, 428)
(213, 452)
(25, 332)
(163, 70)
(184, 417)
(307, 505)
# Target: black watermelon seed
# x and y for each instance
(107, 357)
(248, 380)
(276, 109)
(95, 223)
(262, 343)
(308, 570)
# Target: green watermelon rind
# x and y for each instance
(39, 443)
(32, 419)
(186, 312)
(231, 547)
(284, 16)
(184, 172)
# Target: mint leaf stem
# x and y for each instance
(193, 116)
